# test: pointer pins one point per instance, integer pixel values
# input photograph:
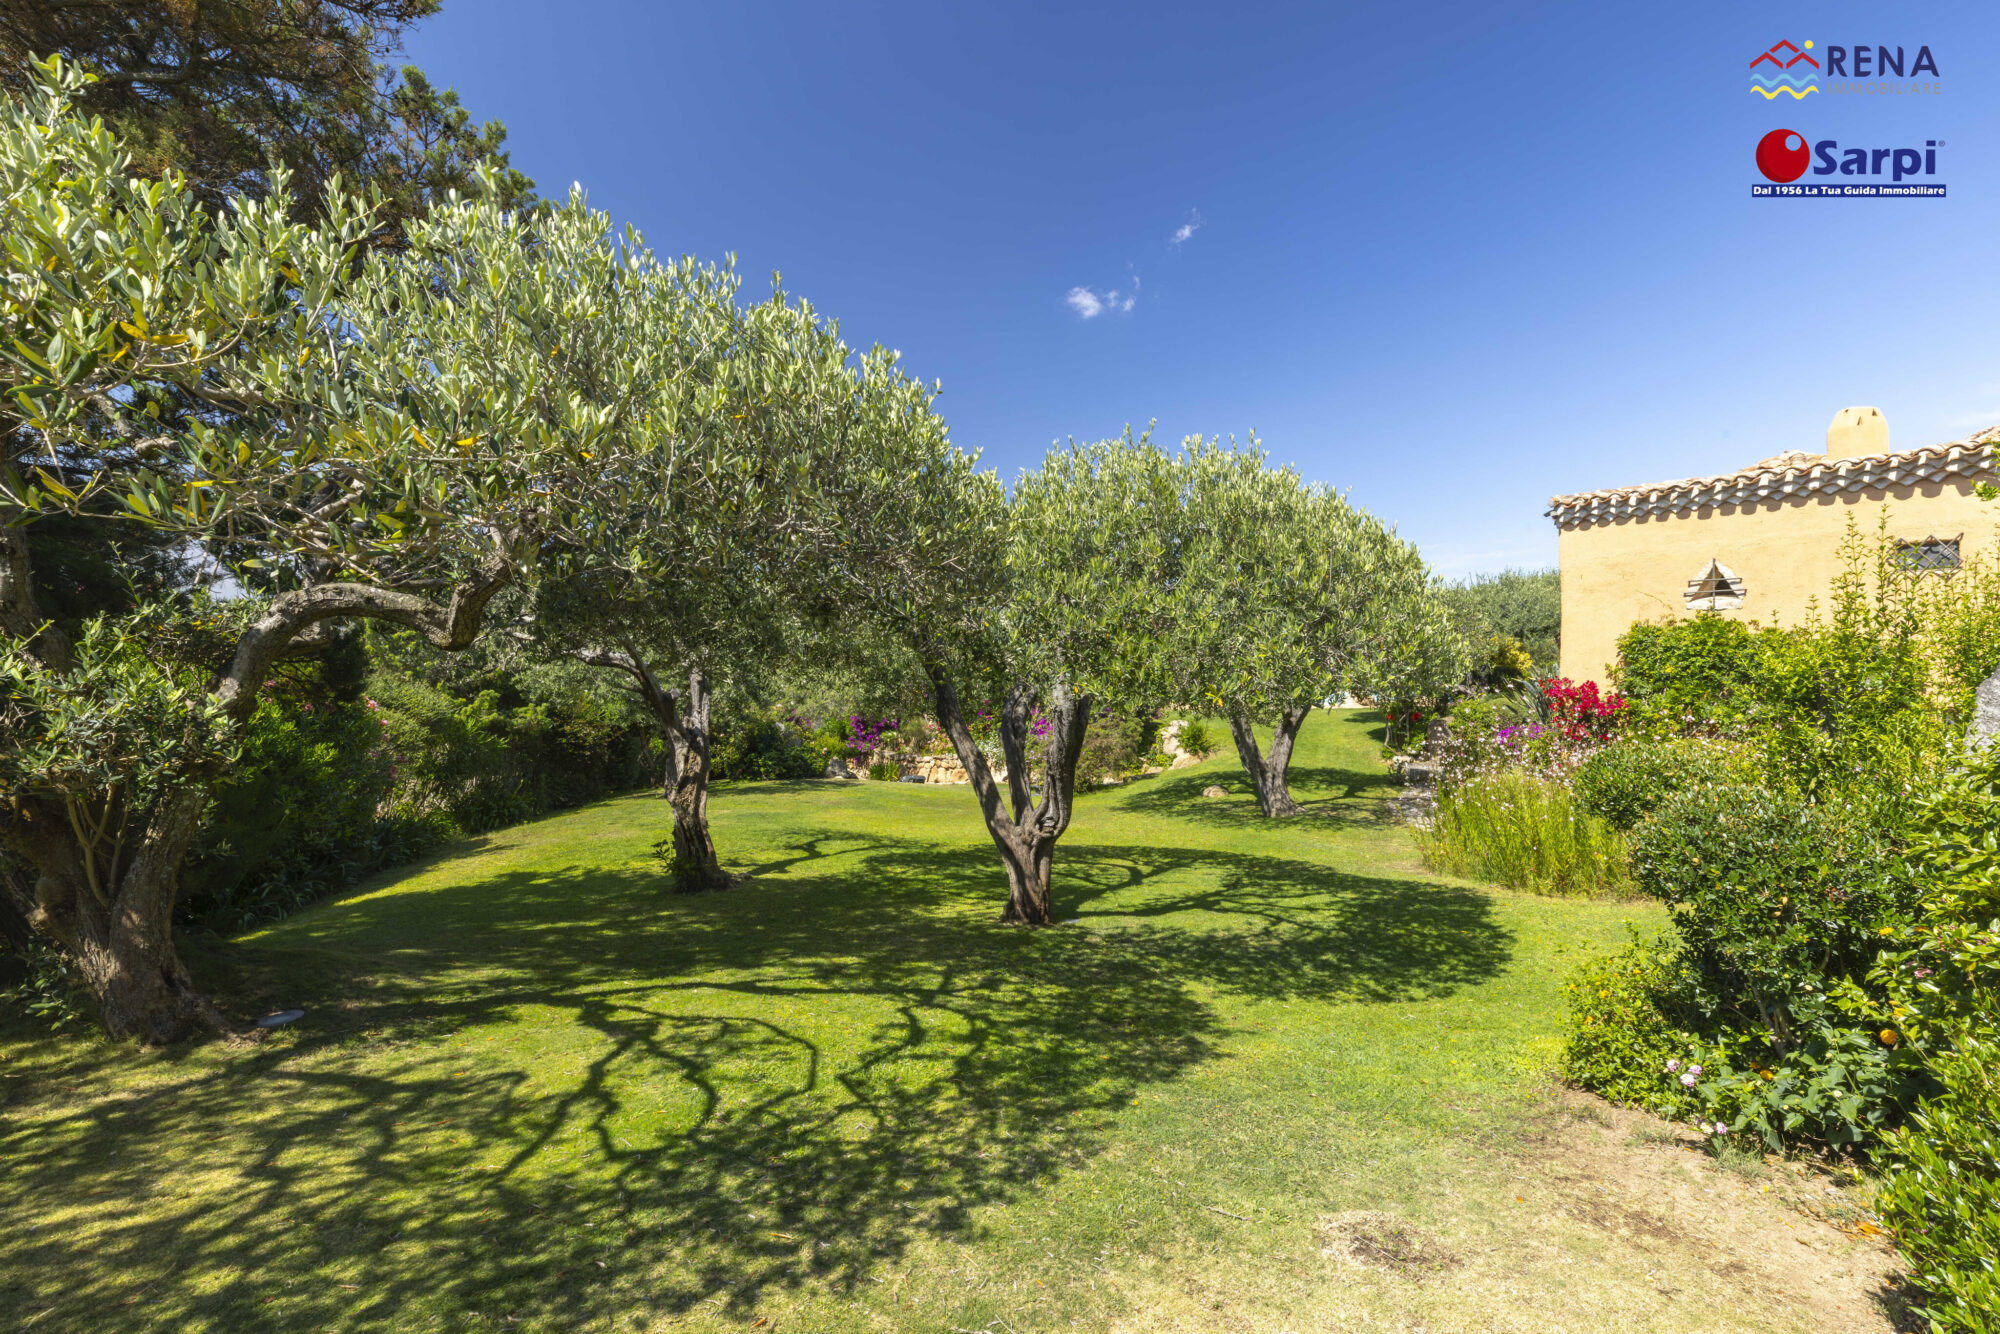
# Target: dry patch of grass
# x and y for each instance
(1367, 1237)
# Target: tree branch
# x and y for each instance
(450, 627)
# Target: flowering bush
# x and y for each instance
(1579, 713)
(1635, 1033)
(865, 737)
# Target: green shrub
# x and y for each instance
(1942, 1201)
(1942, 1196)
(1523, 832)
(1842, 1079)
(828, 742)
(1624, 782)
(40, 983)
(1196, 739)
(298, 816)
(1774, 897)
(1617, 1034)
(1114, 745)
(1760, 1000)
(509, 748)
(1707, 669)
(762, 748)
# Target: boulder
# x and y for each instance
(1185, 761)
(1213, 791)
(837, 767)
(1985, 711)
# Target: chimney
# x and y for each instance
(1857, 431)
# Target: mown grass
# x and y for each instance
(1526, 833)
(534, 1091)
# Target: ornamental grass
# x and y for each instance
(1524, 832)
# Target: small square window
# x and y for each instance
(1929, 553)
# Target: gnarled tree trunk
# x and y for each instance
(1267, 771)
(1024, 830)
(105, 877)
(684, 724)
(696, 867)
(109, 903)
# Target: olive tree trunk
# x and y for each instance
(684, 724)
(1268, 771)
(104, 879)
(1024, 830)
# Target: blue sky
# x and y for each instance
(1455, 258)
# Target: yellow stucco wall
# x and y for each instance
(1785, 551)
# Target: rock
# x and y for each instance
(911, 778)
(837, 768)
(937, 768)
(1213, 791)
(1419, 774)
(280, 1019)
(1185, 761)
(1985, 711)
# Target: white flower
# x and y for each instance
(1687, 1081)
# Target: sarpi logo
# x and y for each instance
(1778, 71)
(1783, 157)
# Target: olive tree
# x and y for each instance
(393, 435)
(1288, 595)
(786, 449)
(1048, 602)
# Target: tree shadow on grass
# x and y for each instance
(735, 1094)
(1343, 797)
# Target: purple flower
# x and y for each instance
(1694, 1070)
(1673, 1066)
(1687, 1081)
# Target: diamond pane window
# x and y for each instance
(1930, 553)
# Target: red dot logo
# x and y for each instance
(1782, 156)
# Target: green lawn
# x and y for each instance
(534, 1091)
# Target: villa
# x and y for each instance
(1761, 542)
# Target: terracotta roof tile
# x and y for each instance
(1794, 473)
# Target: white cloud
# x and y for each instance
(1186, 229)
(1091, 304)
(1085, 302)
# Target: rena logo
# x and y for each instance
(1783, 157)
(1783, 76)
